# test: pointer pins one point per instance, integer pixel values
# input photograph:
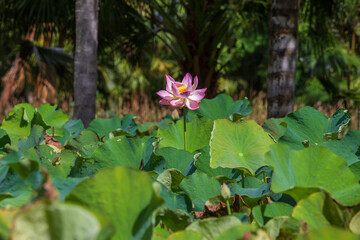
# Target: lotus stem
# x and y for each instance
(264, 177)
(228, 207)
(242, 179)
(184, 110)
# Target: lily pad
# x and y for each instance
(238, 145)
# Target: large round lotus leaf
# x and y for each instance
(313, 167)
(238, 145)
(262, 214)
(223, 106)
(53, 118)
(50, 220)
(103, 127)
(307, 124)
(329, 233)
(198, 134)
(124, 196)
(211, 228)
(120, 151)
(200, 187)
(188, 235)
(354, 225)
(236, 232)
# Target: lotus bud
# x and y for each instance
(175, 114)
(225, 192)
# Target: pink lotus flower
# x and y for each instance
(180, 94)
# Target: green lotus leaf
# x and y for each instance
(175, 200)
(50, 117)
(58, 165)
(307, 124)
(13, 190)
(188, 235)
(262, 214)
(159, 233)
(51, 220)
(121, 151)
(198, 134)
(36, 136)
(223, 106)
(342, 149)
(171, 178)
(4, 138)
(16, 126)
(254, 190)
(235, 232)
(313, 167)
(72, 129)
(29, 111)
(238, 145)
(211, 228)
(354, 225)
(352, 139)
(202, 163)
(177, 158)
(6, 218)
(329, 233)
(174, 219)
(275, 126)
(200, 187)
(273, 226)
(84, 144)
(124, 196)
(65, 186)
(103, 127)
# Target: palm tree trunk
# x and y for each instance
(283, 57)
(85, 68)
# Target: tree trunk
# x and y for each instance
(85, 68)
(283, 57)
